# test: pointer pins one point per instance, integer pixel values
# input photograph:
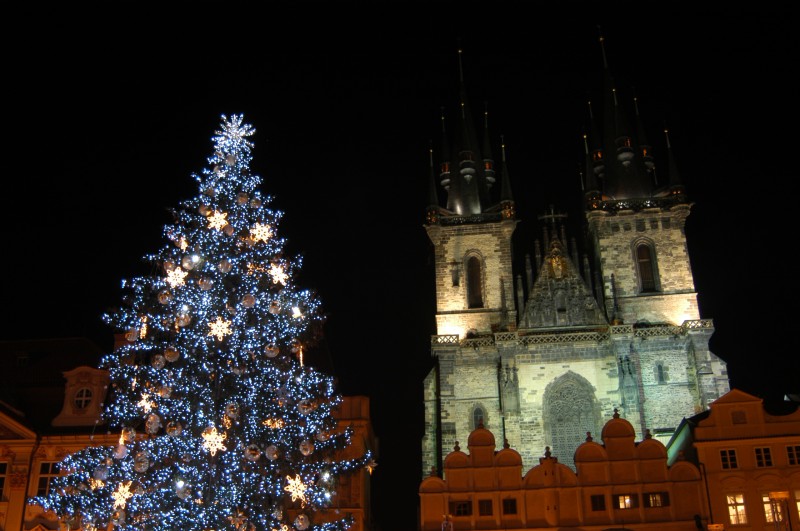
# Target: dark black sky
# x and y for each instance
(110, 109)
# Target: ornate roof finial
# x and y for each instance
(589, 436)
(547, 452)
(505, 443)
(616, 413)
(457, 448)
(602, 47)
(647, 434)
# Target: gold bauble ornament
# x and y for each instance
(171, 354)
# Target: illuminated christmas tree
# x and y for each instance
(222, 425)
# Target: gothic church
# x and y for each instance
(544, 357)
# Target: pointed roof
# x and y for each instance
(622, 161)
(505, 179)
(467, 172)
(559, 296)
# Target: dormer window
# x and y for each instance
(83, 398)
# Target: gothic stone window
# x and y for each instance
(661, 373)
(478, 417)
(474, 283)
(646, 267)
(569, 412)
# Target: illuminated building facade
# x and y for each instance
(540, 354)
(620, 484)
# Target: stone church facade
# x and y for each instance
(540, 357)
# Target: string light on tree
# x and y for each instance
(218, 332)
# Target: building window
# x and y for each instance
(83, 398)
(646, 265)
(736, 512)
(510, 506)
(598, 502)
(797, 502)
(773, 510)
(47, 471)
(461, 508)
(478, 418)
(627, 501)
(656, 499)
(3, 472)
(763, 457)
(728, 459)
(793, 454)
(474, 281)
(661, 373)
(485, 507)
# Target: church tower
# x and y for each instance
(544, 357)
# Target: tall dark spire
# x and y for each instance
(675, 183)
(624, 178)
(488, 159)
(505, 180)
(433, 196)
(466, 174)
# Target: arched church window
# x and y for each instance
(478, 418)
(661, 374)
(474, 281)
(645, 262)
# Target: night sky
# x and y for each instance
(111, 110)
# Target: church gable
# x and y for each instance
(559, 296)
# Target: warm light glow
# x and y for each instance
(275, 424)
(296, 488)
(371, 466)
(122, 494)
(261, 232)
(220, 328)
(213, 441)
(217, 220)
(146, 404)
(278, 274)
(176, 277)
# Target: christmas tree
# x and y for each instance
(222, 425)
